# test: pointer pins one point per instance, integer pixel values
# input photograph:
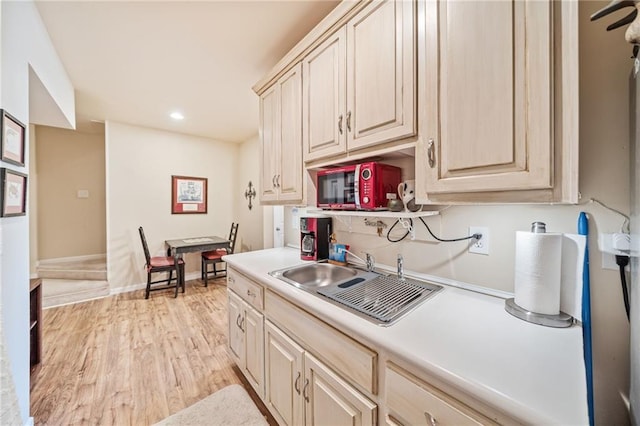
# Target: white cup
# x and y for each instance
(406, 191)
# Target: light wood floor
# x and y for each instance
(124, 360)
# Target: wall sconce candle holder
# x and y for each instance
(250, 193)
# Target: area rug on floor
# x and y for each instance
(228, 406)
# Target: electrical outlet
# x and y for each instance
(480, 246)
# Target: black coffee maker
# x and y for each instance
(315, 233)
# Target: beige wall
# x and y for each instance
(69, 161)
(140, 162)
(604, 175)
(247, 169)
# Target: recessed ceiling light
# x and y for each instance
(177, 115)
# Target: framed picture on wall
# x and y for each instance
(13, 193)
(188, 195)
(12, 139)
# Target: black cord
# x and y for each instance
(444, 240)
(403, 237)
(474, 236)
(622, 262)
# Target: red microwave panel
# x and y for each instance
(361, 186)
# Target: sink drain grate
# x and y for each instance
(383, 298)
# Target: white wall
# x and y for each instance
(24, 44)
(248, 169)
(139, 166)
(69, 161)
(604, 175)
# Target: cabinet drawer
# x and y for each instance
(411, 401)
(348, 357)
(251, 292)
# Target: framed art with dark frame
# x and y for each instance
(188, 195)
(13, 193)
(12, 139)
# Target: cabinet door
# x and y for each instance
(323, 95)
(269, 146)
(332, 401)
(413, 402)
(488, 96)
(381, 98)
(283, 377)
(289, 179)
(236, 336)
(254, 349)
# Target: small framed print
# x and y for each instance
(188, 195)
(13, 193)
(12, 139)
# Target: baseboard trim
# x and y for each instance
(72, 259)
(141, 286)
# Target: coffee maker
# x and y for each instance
(315, 233)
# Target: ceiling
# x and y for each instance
(138, 61)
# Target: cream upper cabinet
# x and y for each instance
(324, 93)
(498, 101)
(281, 140)
(359, 84)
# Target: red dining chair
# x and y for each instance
(159, 264)
(214, 257)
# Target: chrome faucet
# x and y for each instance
(400, 267)
(370, 262)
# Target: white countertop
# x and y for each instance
(532, 373)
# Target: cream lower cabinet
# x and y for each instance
(499, 101)
(410, 401)
(246, 341)
(302, 390)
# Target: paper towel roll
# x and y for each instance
(538, 271)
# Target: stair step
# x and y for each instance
(56, 292)
(79, 268)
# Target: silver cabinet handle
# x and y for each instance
(430, 419)
(250, 293)
(349, 121)
(238, 322)
(431, 153)
(297, 384)
(304, 391)
(278, 181)
(242, 324)
(273, 181)
(340, 124)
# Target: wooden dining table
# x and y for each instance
(177, 248)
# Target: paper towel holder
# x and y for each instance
(560, 320)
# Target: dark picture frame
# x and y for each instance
(188, 195)
(13, 193)
(12, 139)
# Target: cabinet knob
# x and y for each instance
(340, 124)
(297, 384)
(250, 293)
(431, 153)
(349, 121)
(430, 419)
(304, 391)
(231, 280)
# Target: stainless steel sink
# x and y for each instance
(378, 298)
(317, 275)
